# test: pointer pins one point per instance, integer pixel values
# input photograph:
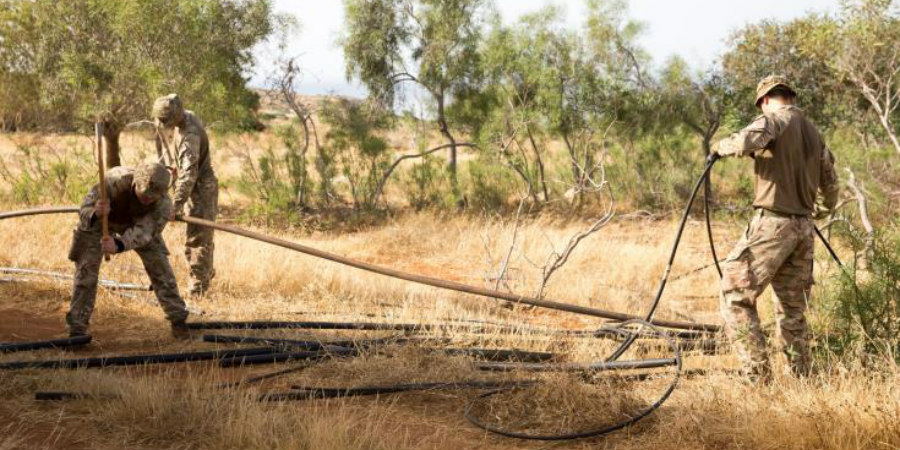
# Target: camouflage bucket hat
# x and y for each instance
(771, 82)
(167, 108)
(152, 180)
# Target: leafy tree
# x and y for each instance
(697, 100)
(552, 84)
(525, 62)
(869, 58)
(796, 49)
(432, 44)
(107, 60)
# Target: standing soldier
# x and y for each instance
(792, 166)
(196, 183)
(138, 208)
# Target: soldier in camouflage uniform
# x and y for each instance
(196, 184)
(793, 167)
(138, 209)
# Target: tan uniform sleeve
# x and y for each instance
(751, 139)
(828, 181)
(147, 226)
(86, 213)
(188, 169)
(114, 185)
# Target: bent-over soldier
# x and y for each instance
(138, 209)
(196, 185)
(793, 169)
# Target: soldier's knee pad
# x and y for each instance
(743, 298)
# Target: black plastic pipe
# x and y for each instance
(271, 325)
(63, 395)
(492, 354)
(365, 326)
(132, 360)
(309, 393)
(305, 345)
(606, 332)
(485, 353)
(270, 358)
(575, 367)
(9, 347)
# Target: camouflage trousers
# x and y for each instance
(778, 250)
(86, 254)
(199, 245)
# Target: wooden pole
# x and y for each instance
(443, 284)
(104, 218)
(429, 281)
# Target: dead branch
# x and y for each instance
(862, 203)
(504, 267)
(592, 180)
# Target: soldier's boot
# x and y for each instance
(180, 330)
(77, 332)
(198, 288)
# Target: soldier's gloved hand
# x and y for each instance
(108, 245)
(172, 215)
(101, 208)
(821, 213)
(712, 158)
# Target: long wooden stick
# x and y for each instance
(443, 284)
(104, 218)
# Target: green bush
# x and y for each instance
(280, 179)
(355, 141)
(424, 182)
(859, 315)
(657, 173)
(295, 163)
(490, 185)
(267, 180)
(47, 177)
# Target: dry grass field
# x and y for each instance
(179, 406)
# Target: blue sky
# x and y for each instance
(695, 29)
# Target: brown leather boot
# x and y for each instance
(180, 330)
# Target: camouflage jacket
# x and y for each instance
(191, 146)
(132, 223)
(792, 164)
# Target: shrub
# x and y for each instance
(490, 185)
(860, 310)
(355, 141)
(295, 163)
(45, 176)
(423, 183)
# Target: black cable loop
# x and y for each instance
(595, 432)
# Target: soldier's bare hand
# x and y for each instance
(101, 208)
(108, 245)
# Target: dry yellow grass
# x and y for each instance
(617, 268)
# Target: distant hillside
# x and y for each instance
(273, 104)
